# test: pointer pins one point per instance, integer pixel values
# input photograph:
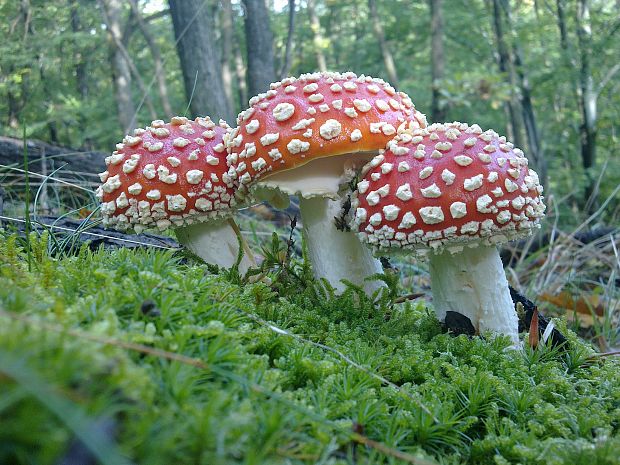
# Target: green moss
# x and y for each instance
(266, 396)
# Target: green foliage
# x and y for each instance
(46, 42)
(276, 375)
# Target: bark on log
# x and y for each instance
(95, 235)
(11, 154)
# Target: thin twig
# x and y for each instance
(405, 298)
(604, 354)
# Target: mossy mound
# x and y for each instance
(90, 345)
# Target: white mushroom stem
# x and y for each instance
(216, 242)
(334, 254)
(473, 283)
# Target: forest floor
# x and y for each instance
(146, 356)
(149, 356)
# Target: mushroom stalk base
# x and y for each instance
(473, 283)
(215, 242)
(334, 254)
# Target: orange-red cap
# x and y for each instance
(445, 187)
(169, 174)
(315, 116)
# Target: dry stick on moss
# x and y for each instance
(593, 358)
(405, 298)
(604, 354)
(175, 357)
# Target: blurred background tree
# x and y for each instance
(80, 73)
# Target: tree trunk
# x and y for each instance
(561, 15)
(240, 74)
(438, 113)
(160, 74)
(80, 65)
(506, 68)
(242, 88)
(193, 29)
(286, 63)
(388, 59)
(237, 58)
(333, 29)
(301, 49)
(568, 58)
(315, 26)
(112, 11)
(131, 24)
(2, 193)
(531, 128)
(359, 32)
(49, 103)
(26, 14)
(18, 100)
(587, 99)
(117, 40)
(13, 107)
(259, 44)
(122, 85)
(529, 118)
(81, 79)
(226, 21)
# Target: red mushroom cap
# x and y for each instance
(167, 174)
(446, 186)
(314, 116)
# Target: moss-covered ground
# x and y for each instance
(146, 357)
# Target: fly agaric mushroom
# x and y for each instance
(169, 175)
(304, 137)
(452, 192)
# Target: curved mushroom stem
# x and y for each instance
(473, 283)
(334, 254)
(216, 242)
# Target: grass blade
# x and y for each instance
(67, 412)
(27, 200)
